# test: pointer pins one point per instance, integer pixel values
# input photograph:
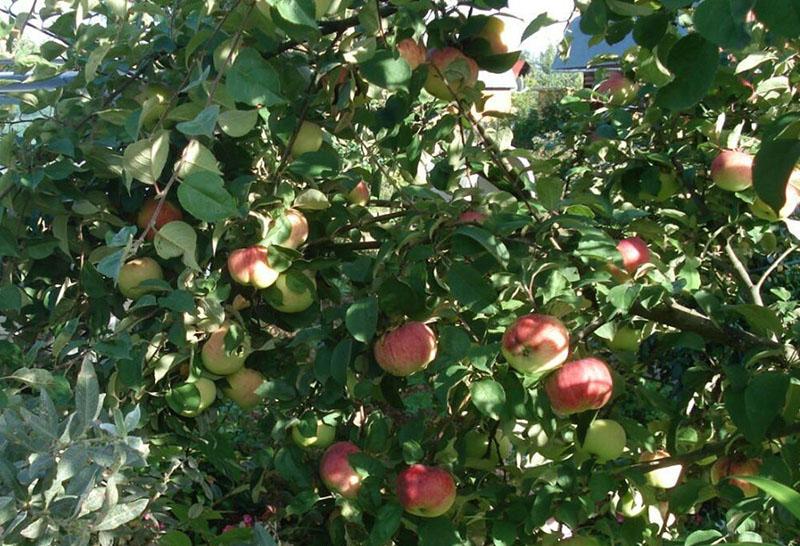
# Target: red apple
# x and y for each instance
(450, 72)
(359, 195)
(135, 272)
(494, 32)
(634, 253)
(735, 466)
(665, 477)
(243, 386)
(298, 229)
(336, 472)
(471, 217)
(412, 52)
(619, 89)
(732, 170)
(535, 343)
(579, 385)
(426, 491)
(250, 266)
(168, 213)
(220, 361)
(406, 349)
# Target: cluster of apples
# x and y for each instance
(426, 491)
(450, 71)
(732, 170)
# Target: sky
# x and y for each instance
(525, 10)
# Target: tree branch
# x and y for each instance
(684, 318)
(744, 275)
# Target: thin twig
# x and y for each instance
(744, 275)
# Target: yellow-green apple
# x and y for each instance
(477, 447)
(732, 170)
(668, 186)
(293, 291)
(765, 212)
(625, 339)
(297, 231)
(308, 139)
(579, 385)
(359, 195)
(135, 272)
(406, 349)
(426, 491)
(337, 473)
(154, 100)
(449, 72)
(168, 213)
(250, 266)
(243, 387)
(618, 89)
(494, 32)
(322, 438)
(631, 504)
(471, 217)
(206, 392)
(634, 252)
(535, 343)
(665, 477)
(220, 361)
(605, 439)
(736, 466)
(412, 52)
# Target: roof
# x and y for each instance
(582, 50)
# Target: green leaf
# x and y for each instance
(175, 538)
(196, 158)
(253, 81)
(624, 295)
(387, 522)
(718, 23)
(470, 287)
(10, 298)
(87, 398)
(362, 319)
(95, 58)
(237, 123)
(761, 319)
(203, 124)
(495, 247)
(144, 160)
(121, 514)
(385, 71)
(542, 20)
(299, 12)
(764, 397)
(312, 199)
(776, 159)
(694, 61)
(788, 497)
(781, 16)
(702, 537)
(177, 239)
(489, 397)
(438, 532)
(203, 196)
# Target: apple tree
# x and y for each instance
(272, 273)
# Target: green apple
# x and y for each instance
(626, 339)
(220, 360)
(477, 448)
(243, 388)
(293, 292)
(669, 187)
(322, 438)
(665, 477)
(308, 139)
(135, 272)
(605, 439)
(207, 391)
(631, 504)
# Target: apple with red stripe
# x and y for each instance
(426, 491)
(406, 349)
(579, 386)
